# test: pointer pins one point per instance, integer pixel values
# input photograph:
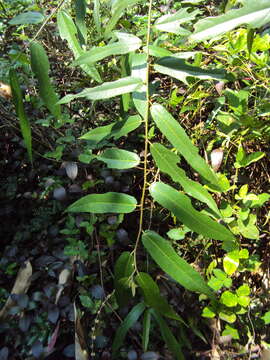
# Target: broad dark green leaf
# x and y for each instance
(106, 90)
(126, 43)
(179, 139)
(168, 337)
(180, 70)
(253, 13)
(23, 120)
(180, 205)
(29, 17)
(139, 70)
(80, 12)
(40, 67)
(154, 299)
(114, 130)
(167, 162)
(119, 159)
(175, 266)
(110, 202)
(123, 269)
(121, 332)
(68, 31)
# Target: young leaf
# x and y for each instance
(254, 13)
(146, 329)
(180, 205)
(168, 337)
(167, 162)
(110, 202)
(180, 70)
(106, 90)
(130, 320)
(114, 130)
(119, 159)
(40, 67)
(80, 11)
(68, 31)
(179, 139)
(23, 120)
(171, 22)
(124, 267)
(126, 43)
(175, 266)
(154, 299)
(139, 70)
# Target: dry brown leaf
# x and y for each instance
(265, 355)
(216, 158)
(81, 352)
(21, 286)
(62, 280)
(5, 91)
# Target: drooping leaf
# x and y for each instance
(118, 7)
(180, 70)
(146, 329)
(106, 90)
(168, 336)
(175, 266)
(119, 159)
(29, 17)
(253, 13)
(139, 70)
(167, 162)
(130, 320)
(154, 299)
(126, 43)
(123, 269)
(23, 120)
(114, 130)
(110, 202)
(40, 67)
(179, 139)
(171, 22)
(68, 31)
(180, 205)
(80, 11)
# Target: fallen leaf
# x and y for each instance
(81, 352)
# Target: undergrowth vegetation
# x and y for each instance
(135, 179)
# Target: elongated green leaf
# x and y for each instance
(180, 70)
(139, 70)
(119, 159)
(253, 13)
(124, 267)
(29, 17)
(68, 31)
(180, 205)
(146, 329)
(125, 44)
(23, 120)
(96, 15)
(40, 67)
(171, 22)
(154, 299)
(175, 266)
(158, 51)
(179, 139)
(168, 337)
(167, 162)
(114, 130)
(80, 11)
(118, 7)
(106, 90)
(110, 202)
(130, 320)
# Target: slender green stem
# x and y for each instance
(146, 126)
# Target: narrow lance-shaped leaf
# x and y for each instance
(110, 202)
(180, 70)
(123, 269)
(68, 31)
(119, 159)
(130, 320)
(126, 43)
(40, 67)
(139, 70)
(23, 120)
(146, 329)
(175, 266)
(106, 90)
(171, 22)
(96, 15)
(80, 11)
(253, 13)
(179, 139)
(153, 297)
(180, 205)
(167, 162)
